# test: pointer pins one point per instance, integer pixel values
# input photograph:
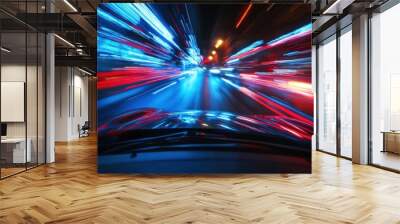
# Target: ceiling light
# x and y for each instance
(5, 50)
(70, 5)
(326, 11)
(65, 41)
(84, 71)
(338, 6)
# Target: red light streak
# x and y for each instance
(276, 108)
(244, 15)
(133, 76)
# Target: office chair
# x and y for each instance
(84, 130)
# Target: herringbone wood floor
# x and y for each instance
(70, 191)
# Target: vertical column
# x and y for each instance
(50, 92)
(360, 90)
(314, 87)
(338, 91)
(92, 84)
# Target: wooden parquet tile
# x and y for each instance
(70, 191)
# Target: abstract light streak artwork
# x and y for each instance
(182, 88)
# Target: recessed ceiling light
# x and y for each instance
(70, 5)
(64, 40)
(338, 6)
(5, 50)
(84, 71)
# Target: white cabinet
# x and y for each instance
(19, 155)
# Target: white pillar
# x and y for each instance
(50, 92)
(360, 90)
(50, 99)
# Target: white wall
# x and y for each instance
(14, 73)
(80, 110)
(33, 126)
(71, 102)
(62, 82)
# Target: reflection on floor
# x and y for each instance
(387, 159)
(11, 169)
(71, 191)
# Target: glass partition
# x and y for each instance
(327, 95)
(22, 88)
(14, 153)
(32, 96)
(41, 96)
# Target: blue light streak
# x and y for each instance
(215, 71)
(249, 48)
(231, 83)
(165, 87)
(300, 30)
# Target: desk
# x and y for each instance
(391, 141)
(19, 155)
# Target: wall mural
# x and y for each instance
(204, 88)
